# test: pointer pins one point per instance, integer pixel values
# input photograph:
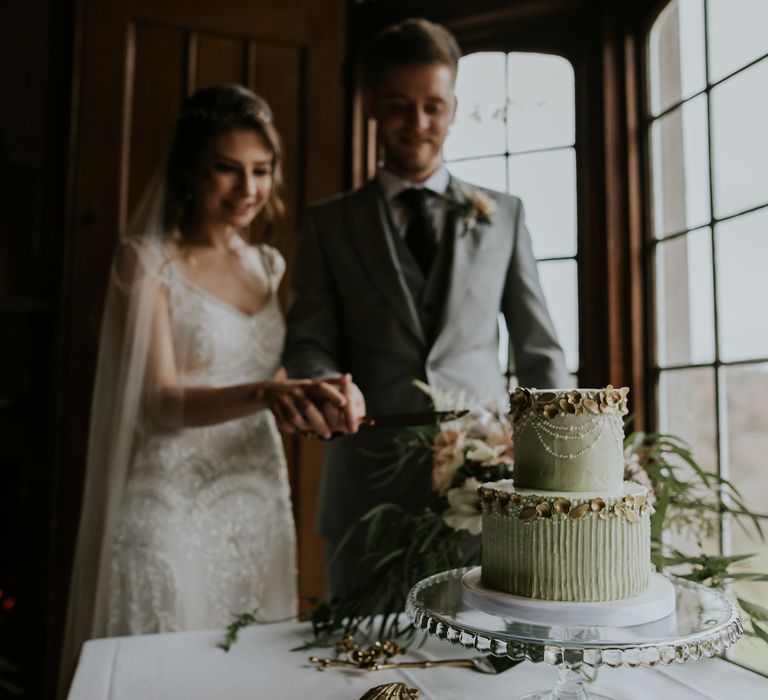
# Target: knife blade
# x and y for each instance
(406, 420)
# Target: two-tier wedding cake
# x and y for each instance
(569, 528)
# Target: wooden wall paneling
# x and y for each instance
(95, 217)
(325, 79)
(592, 259)
(625, 323)
(220, 60)
(269, 20)
(155, 92)
(639, 346)
(277, 74)
(323, 177)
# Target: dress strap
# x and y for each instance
(274, 264)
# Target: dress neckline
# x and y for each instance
(227, 306)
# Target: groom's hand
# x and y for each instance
(299, 405)
(346, 417)
(354, 408)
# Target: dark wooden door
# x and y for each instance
(138, 61)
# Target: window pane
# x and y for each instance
(740, 141)
(540, 110)
(680, 169)
(687, 410)
(747, 436)
(558, 280)
(483, 172)
(742, 259)
(737, 34)
(479, 127)
(750, 652)
(746, 446)
(685, 326)
(676, 51)
(546, 182)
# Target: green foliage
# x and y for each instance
(233, 629)
(687, 495)
(401, 549)
(691, 500)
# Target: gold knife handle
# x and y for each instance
(464, 663)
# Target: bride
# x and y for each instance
(186, 511)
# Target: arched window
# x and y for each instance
(708, 137)
(515, 132)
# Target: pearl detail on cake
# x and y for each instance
(545, 429)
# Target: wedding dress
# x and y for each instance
(205, 527)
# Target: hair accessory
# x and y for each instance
(258, 113)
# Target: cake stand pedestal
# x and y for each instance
(705, 623)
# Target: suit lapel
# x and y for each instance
(466, 244)
(368, 226)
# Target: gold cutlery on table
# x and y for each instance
(378, 657)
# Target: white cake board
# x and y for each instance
(656, 602)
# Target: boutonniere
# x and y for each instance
(477, 208)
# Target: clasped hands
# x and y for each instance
(317, 407)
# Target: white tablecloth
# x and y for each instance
(190, 666)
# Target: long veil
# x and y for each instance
(119, 396)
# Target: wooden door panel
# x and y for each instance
(277, 73)
(219, 60)
(155, 88)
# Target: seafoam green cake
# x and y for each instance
(568, 528)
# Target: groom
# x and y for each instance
(403, 279)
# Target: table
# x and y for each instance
(190, 666)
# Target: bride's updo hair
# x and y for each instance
(205, 115)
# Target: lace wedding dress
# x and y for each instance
(205, 528)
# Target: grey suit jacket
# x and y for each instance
(354, 311)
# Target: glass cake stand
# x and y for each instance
(704, 624)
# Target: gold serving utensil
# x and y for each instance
(377, 657)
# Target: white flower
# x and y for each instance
(464, 508)
(483, 204)
(478, 208)
(487, 455)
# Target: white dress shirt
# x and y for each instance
(437, 182)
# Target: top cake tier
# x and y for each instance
(569, 440)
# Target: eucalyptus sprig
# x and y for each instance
(232, 633)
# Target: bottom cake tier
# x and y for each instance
(566, 546)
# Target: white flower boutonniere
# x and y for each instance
(477, 209)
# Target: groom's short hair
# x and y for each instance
(413, 41)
